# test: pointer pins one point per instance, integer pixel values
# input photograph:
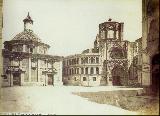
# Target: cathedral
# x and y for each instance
(26, 60)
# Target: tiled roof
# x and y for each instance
(27, 35)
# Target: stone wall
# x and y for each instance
(58, 75)
(1, 60)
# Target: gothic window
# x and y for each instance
(116, 53)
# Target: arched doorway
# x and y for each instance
(155, 74)
(118, 76)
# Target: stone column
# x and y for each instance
(38, 77)
(94, 70)
(1, 57)
(24, 48)
(58, 75)
(11, 79)
(110, 83)
(89, 70)
(29, 69)
(22, 79)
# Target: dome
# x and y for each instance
(27, 36)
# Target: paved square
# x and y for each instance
(56, 100)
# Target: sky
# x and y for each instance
(71, 26)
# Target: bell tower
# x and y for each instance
(28, 23)
(111, 30)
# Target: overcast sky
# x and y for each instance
(70, 26)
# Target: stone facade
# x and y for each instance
(83, 69)
(1, 58)
(150, 45)
(115, 56)
(26, 62)
(135, 63)
(113, 50)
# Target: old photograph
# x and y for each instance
(79, 57)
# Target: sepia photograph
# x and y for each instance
(79, 57)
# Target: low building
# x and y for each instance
(83, 69)
(26, 60)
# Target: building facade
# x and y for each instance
(115, 57)
(1, 58)
(135, 63)
(26, 60)
(150, 46)
(83, 69)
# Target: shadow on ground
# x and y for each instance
(126, 99)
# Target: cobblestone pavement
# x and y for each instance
(55, 100)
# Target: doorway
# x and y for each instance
(118, 76)
(155, 74)
(116, 80)
(50, 79)
(16, 78)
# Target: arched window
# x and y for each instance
(97, 70)
(110, 34)
(82, 61)
(86, 59)
(97, 60)
(82, 71)
(72, 71)
(77, 60)
(92, 70)
(86, 70)
(92, 60)
(77, 70)
(117, 53)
